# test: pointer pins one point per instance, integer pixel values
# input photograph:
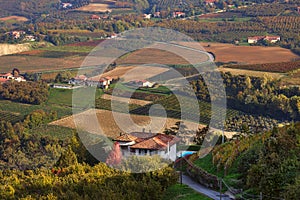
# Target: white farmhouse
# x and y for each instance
(140, 144)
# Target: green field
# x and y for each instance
(64, 97)
(24, 109)
(182, 192)
(173, 109)
(10, 116)
(53, 131)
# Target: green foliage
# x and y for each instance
(278, 164)
(84, 182)
(182, 192)
(38, 117)
(25, 92)
(67, 158)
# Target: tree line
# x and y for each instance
(25, 92)
(254, 95)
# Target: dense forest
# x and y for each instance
(267, 162)
(261, 96)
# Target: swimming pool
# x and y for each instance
(185, 153)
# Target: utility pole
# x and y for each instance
(260, 196)
(223, 137)
(181, 169)
(220, 184)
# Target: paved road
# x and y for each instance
(201, 189)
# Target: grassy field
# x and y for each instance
(64, 96)
(182, 192)
(59, 132)
(38, 64)
(14, 18)
(24, 109)
(10, 116)
(149, 55)
(97, 7)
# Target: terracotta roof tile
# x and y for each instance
(126, 138)
(159, 141)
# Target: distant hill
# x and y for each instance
(27, 8)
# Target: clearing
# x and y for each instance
(14, 18)
(227, 53)
(107, 122)
(133, 72)
(250, 72)
(149, 55)
(126, 100)
(97, 7)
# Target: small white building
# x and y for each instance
(9, 76)
(271, 39)
(147, 16)
(142, 83)
(141, 144)
(78, 80)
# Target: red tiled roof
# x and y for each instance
(3, 80)
(95, 17)
(159, 141)
(256, 37)
(126, 138)
(109, 78)
(7, 74)
(80, 77)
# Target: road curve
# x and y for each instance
(201, 189)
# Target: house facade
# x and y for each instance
(271, 39)
(11, 77)
(141, 144)
(102, 82)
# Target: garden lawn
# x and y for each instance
(183, 192)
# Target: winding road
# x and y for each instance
(203, 190)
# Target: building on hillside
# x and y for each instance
(66, 5)
(178, 14)
(298, 9)
(95, 17)
(141, 143)
(14, 76)
(17, 34)
(142, 83)
(271, 39)
(210, 2)
(156, 14)
(78, 80)
(147, 16)
(30, 38)
(62, 86)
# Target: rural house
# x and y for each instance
(271, 39)
(147, 16)
(141, 143)
(142, 83)
(210, 2)
(95, 17)
(15, 76)
(178, 14)
(78, 80)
